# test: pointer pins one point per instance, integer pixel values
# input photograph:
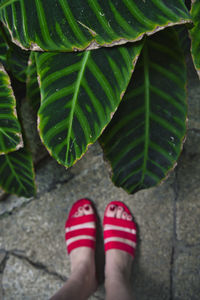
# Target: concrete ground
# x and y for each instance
(33, 259)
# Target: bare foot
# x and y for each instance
(118, 262)
(83, 258)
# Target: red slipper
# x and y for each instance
(81, 231)
(119, 231)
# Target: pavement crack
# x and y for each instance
(37, 265)
(51, 188)
(3, 261)
(56, 184)
(9, 212)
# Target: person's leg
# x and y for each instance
(117, 276)
(80, 239)
(120, 243)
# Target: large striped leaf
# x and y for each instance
(3, 49)
(184, 39)
(10, 130)
(145, 136)
(13, 57)
(17, 62)
(17, 174)
(195, 35)
(67, 25)
(32, 86)
(79, 94)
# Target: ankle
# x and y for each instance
(123, 290)
(118, 266)
(117, 275)
(119, 280)
(84, 280)
(82, 263)
(82, 271)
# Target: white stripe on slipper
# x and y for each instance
(80, 226)
(117, 239)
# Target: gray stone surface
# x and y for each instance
(1, 288)
(154, 216)
(36, 230)
(188, 201)
(49, 174)
(186, 271)
(2, 259)
(167, 263)
(187, 274)
(23, 281)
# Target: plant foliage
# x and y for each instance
(144, 138)
(10, 130)
(108, 70)
(88, 86)
(69, 25)
(195, 34)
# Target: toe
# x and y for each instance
(79, 212)
(124, 215)
(119, 213)
(111, 211)
(87, 209)
(129, 218)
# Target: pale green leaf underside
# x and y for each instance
(10, 130)
(79, 94)
(66, 25)
(17, 174)
(144, 138)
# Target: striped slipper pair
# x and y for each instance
(119, 232)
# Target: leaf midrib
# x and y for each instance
(147, 108)
(74, 99)
(6, 3)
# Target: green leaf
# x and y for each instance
(184, 39)
(195, 34)
(3, 49)
(17, 62)
(79, 94)
(144, 138)
(10, 130)
(13, 57)
(17, 174)
(32, 86)
(67, 25)
(5, 3)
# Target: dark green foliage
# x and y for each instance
(76, 24)
(88, 86)
(77, 96)
(145, 136)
